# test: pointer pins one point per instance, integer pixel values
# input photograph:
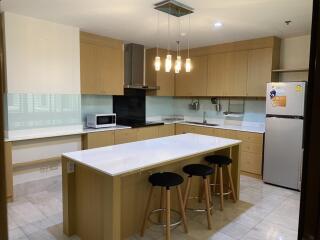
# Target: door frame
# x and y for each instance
(309, 219)
(3, 194)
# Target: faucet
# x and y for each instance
(204, 117)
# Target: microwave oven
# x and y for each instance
(101, 120)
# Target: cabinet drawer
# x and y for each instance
(125, 136)
(251, 162)
(251, 137)
(181, 128)
(97, 139)
(225, 133)
(252, 147)
(147, 133)
(166, 130)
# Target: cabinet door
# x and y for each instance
(97, 139)
(184, 128)
(147, 133)
(125, 136)
(237, 67)
(217, 74)
(166, 130)
(101, 63)
(193, 83)
(227, 74)
(161, 78)
(259, 71)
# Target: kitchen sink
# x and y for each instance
(204, 124)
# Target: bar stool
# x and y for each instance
(203, 171)
(165, 180)
(221, 162)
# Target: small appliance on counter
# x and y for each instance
(101, 120)
(283, 150)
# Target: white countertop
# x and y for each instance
(243, 128)
(124, 158)
(253, 127)
(58, 132)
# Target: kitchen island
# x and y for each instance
(105, 189)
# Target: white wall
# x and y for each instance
(41, 56)
(295, 53)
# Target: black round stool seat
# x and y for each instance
(198, 170)
(218, 159)
(165, 179)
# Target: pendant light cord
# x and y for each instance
(169, 29)
(189, 38)
(158, 33)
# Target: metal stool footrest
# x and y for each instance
(163, 224)
(198, 209)
(212, 185)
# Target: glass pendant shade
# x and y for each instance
(157, 63)
(188, 65)
(168, 63)
(178, 64)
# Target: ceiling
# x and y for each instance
(136, 20)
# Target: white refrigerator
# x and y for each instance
(283, 148)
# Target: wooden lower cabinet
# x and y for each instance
(147, 133)
(166, 130)
(97, 139)
(125, 136)
(251, 147)
(182, 128)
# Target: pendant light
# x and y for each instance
(168, 61)
(177, 67)
(157, 60)
(178, 63)
(176, 9)
(188, 60)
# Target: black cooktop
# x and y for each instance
(135, 124)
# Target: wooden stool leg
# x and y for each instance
(201, 192)
(146, 212)
(187, 192)
(215, 178)
(210, 196)
(221, 187)
(206, 188)
(162, 206)
(231, 184)
(168, 237)
(183, 213)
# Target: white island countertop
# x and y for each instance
(129, 157)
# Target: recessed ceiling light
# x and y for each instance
(218, 24)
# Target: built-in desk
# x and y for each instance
(105, 189)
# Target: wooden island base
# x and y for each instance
(103, 207)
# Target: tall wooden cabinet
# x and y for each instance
(101, 65)
(160, 78)
(193, 83)
(259, 71)
(227, 74)
(238, 69)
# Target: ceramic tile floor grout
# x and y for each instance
(264, 212)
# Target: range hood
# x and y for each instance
(134, 67)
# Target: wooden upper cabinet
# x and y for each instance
(101, 65)
(159, 78)
(193, 83)
(259, 71)
(227, 74)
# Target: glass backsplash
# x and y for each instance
(32, 111)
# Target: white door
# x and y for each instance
(283, 151)
(285, 98)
